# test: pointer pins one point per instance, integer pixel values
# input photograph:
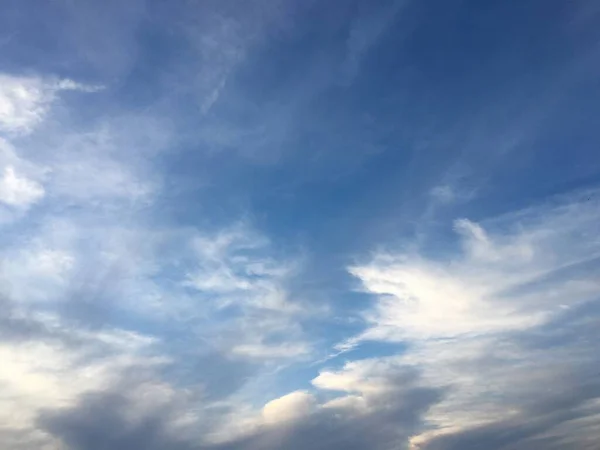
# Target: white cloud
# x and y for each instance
(421, 301)
(17, 190)
(26, 100)
(43, 373)
(23, 103)
(106, 166)
(370, 376)
(366, 386)
(458, 314)
(236, 263)
(260, 350)
(70, 85)
(487, 288)
(20, 181)
(243, 420)
(497, 379)
(292, 406)
(43, 383)
(235, 268)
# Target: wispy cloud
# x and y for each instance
(365, 31)
(235, 272)
(26, 100)
(466, 319)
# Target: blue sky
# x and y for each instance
(295, 224)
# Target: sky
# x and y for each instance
(299, 224)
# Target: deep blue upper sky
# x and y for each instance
(298, 224)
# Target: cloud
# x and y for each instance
(136, 315)
(490, 325)
(69, 273)
(233, 263)
(16, 190)
(134, 408)
(143, 414)
(522, 390)
(29, 171)
(291, 406)
(456, 384)
(69, 282)
(26, 100)
(262, 351)
(48, 363)
(21, 183)
(487, 288)
(379, 418)
(23, 103)
(88, 166)
(236, 270)
(218, 38)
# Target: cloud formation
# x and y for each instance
(16, 190)
(230, 225)
(470, 322)
(25, 101)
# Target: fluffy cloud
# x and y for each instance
(382, 418)
(292, 406)
(17, 190)
(511, 277)
(23, 103)
(26, 100)
(490, 326)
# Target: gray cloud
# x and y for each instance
(98, 422)
(550, 379)
(104, 420)
(389, 427)
(562, 413)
